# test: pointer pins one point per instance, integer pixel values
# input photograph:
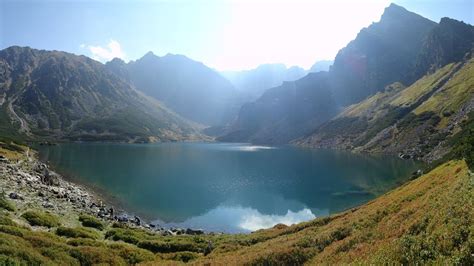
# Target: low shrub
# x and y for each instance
(124, 235)
(90, 221)
(170, 246)
(36, 218)
(185, 256)
(76, 232)
(131, 254)
(76, 242)
(295, 256)
(5, 220)
(96, 255)
(6, 204)
(11, 230)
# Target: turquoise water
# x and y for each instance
(227, 187)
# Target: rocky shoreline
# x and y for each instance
(31, 184)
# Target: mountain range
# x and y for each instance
(354, 104)
(191, 89)
(399, 49)
(57, 95)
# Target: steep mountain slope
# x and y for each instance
(252, 83)
(189, 88)
(285, 112)
(448, 42)
(381, 54)
(55, 94)
(416, 121)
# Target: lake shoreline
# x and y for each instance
(33, 184)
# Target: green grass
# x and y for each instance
(37, 218)
(423, 86)
(454, 94)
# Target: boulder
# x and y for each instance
(15, 196)
(50, 178)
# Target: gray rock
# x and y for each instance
(50, 178)
(48, 205)
(15, 196)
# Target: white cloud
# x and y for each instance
(107, 53)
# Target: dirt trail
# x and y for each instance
(23, 125)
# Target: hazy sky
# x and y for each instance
(224, 34)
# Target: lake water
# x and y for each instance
(227, 187)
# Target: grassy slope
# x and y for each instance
(452, 96)
(413, 120)
(427, 219)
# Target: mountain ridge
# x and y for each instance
(54, 94)
(388, 51)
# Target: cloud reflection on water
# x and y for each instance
(242, 219)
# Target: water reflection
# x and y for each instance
(180, 182)
(242, 219)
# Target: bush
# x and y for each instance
(6, 204)
(96, 255)
(125, 235)
(90, 221)
(20, 251)
(76, 232)
(11, 230)
(131, 254)
(294, 256)
(185, 256)
(170, 246)
(76, 242)
(5, 220)
(41, 219)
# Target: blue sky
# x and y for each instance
(224, 34)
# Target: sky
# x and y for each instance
(223, 34)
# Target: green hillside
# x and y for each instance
(415, 121)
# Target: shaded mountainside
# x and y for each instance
(417, 121)
(252, 83)
(401, 48)
(51, 94)
(448, 42)
(285, 112)
(187, 87)
(428, 220)
(381, 54)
